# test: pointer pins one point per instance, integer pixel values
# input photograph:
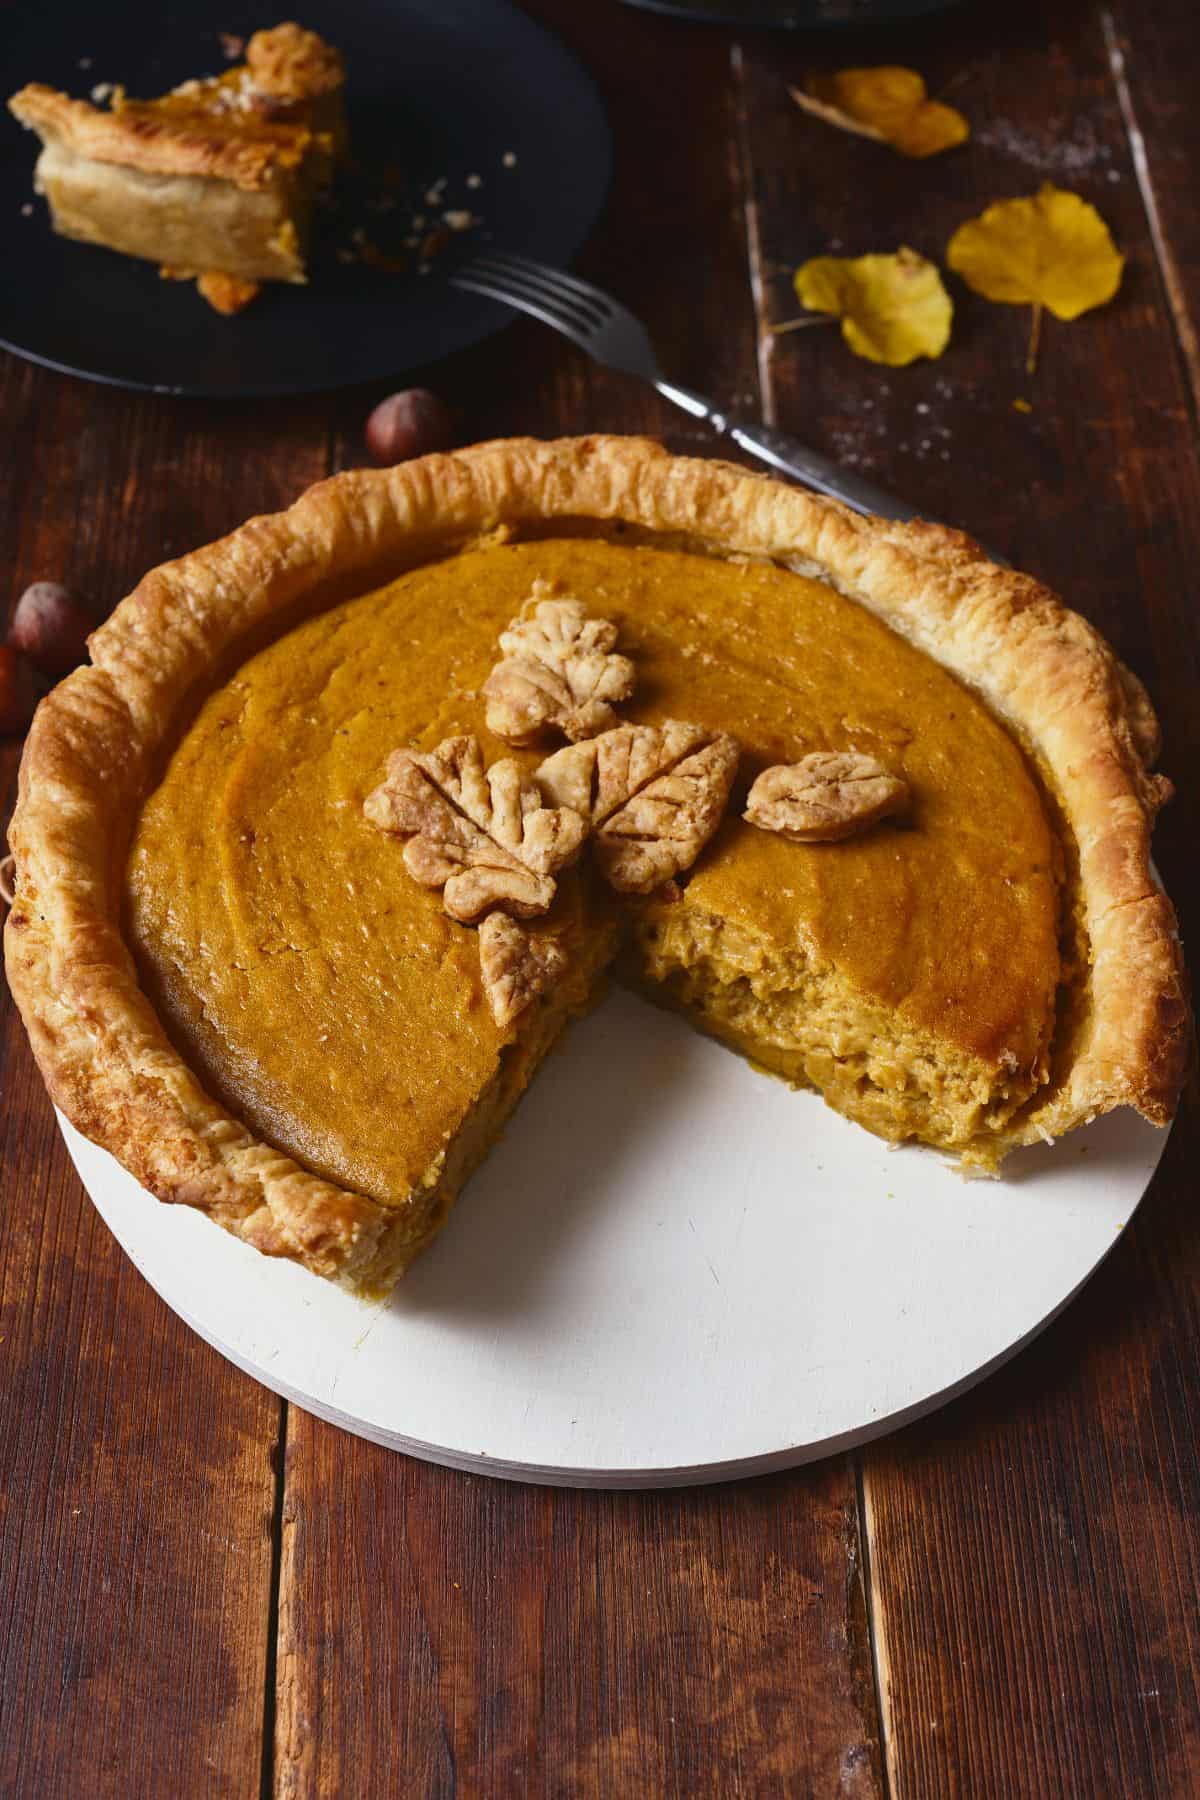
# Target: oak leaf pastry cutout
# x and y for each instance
(558, 670)
(654, 794)
(516, 966)
(484, 836)
(826, 796)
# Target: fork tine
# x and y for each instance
(563, 307)
(561, 311)
(494, 290)
(516, 265)
(601, 326)
(543, 287)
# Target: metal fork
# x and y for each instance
(611, 335)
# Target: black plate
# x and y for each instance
(795, 15)
(447, 88)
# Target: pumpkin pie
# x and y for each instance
(215, 180)
(889, 839)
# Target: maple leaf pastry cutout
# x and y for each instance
(484, 836)
(558, 670)
(654, 794)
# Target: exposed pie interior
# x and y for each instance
(306, 1049)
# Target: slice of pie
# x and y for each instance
(255, 839)
(215, 180)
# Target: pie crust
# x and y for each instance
(97, 743)
(134, 137)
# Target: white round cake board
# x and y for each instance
(671, 1270)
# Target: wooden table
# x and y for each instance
(204, 1591)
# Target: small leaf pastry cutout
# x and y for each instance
(516, 966)
(826, 796)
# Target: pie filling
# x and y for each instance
(800, 1019)
(426, 1207)
(910, 974)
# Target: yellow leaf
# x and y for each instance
(888, 104)
(1051, 250)
(893, 308)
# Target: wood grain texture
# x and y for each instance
(1152, 55)
(135, 1525)
(137, 1479)
(513, 1640)
(446, 1634)
(1033, 1550)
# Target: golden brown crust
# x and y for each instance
(138, 136)
(92, 751)
(290, 63)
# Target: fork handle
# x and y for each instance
(784, 453)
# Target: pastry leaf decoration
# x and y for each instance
(558, 670)
(825, 796)
(654, 795)
(515, 966)
(484, 836)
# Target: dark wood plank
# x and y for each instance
(135, 1530)
(136, 1466)
(1033, 1551)
(510, 1639)
(446, 1633)
(1155, 65)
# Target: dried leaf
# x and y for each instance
(484, 836)
(889, 104)
(1050, 250)
(893, 308)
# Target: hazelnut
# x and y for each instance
(18, 694)
(51, 627)
(413, 422)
